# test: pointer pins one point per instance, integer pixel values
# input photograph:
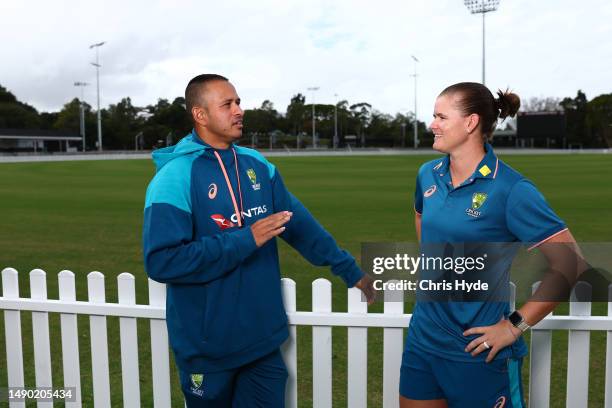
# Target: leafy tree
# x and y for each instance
(599, 119)
(166, 118)
(588, 123)
(121, 122)
(380, 128)
(15, 114)
(262, 120)
(47, 119)
(296, 114)
(576, 112)
(69, 118)
(362, 113)
(343, 118)
(6, 96)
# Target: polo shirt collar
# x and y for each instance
(487, 168)
(442, 167)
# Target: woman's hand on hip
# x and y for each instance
(493, 339)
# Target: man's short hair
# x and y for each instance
(195, 87)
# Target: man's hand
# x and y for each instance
(267, 228)
(365, 284)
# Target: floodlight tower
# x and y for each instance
(97, 65)
(82, 85)
(416, 136)
(482, 7)
(314, 140)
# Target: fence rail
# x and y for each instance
(579, 325)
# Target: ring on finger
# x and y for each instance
(484, 343)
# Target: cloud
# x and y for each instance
(273, 49)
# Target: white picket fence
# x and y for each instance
(393, 321)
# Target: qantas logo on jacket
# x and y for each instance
(221, 221)
(262, 209)
(225, 223)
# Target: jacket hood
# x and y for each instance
(185, 146)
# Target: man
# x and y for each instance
(212, 213)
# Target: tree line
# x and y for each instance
(587, 122)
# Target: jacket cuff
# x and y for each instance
(352, 275)
(245, 242)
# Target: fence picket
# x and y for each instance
(608, 384)
(540, 354)
(392, 351)
(70, 339)
(128, 335)
(578, 350)
(578, 345)
(321, 347)
(12, 333)
(289, 347)
(357, 388)
(160, 359)
(99, 343)
(40, 334)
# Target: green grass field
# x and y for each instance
(86, 216)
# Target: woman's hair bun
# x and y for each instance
(508, 103)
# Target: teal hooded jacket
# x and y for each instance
(224, 306)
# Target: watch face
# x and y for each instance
(515, 318)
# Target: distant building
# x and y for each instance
(37, 140)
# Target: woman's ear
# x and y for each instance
(472, 122)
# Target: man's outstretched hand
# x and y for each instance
(366, 286)
(267, 228)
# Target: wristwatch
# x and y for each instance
(518, 321)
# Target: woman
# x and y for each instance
(469, 354)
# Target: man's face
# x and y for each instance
(222, 115)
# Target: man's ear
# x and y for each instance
(199, 115)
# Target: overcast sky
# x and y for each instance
(273, 49)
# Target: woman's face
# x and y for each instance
(450, 127)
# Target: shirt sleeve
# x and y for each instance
(529, 217)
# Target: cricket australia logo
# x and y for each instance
(197, 380)
(253, 177)
(478, 200)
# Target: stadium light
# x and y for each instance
(482, 7)
(416, 137)
(97, 65)
(314, 140)
(82, 85)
